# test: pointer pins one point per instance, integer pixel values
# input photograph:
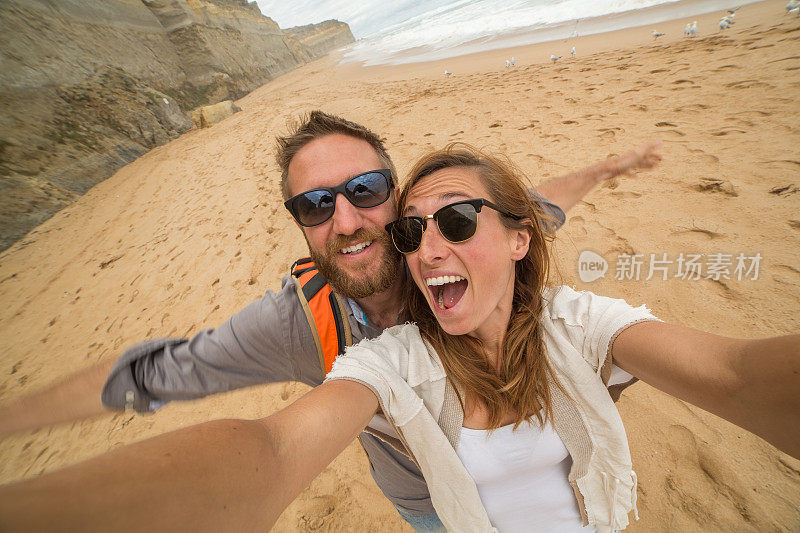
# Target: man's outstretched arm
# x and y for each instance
(566, 191)
(245, 350)
(75, 398)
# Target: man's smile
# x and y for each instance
(356, 248)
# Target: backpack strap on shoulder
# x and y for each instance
(325, 311)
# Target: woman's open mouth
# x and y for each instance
(446, 290)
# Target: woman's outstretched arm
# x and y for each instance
(567, 190)
(226, 475)
(752, 383)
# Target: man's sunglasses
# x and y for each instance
(457, 223)
(314, 207)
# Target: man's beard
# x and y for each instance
(372, 280)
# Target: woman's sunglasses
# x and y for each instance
(457, 222)
(314, 207)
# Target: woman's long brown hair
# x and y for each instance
(524, 378)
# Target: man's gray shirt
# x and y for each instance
(268, 341)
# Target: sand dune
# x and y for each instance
(194, 230)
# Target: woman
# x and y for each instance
(517, 363)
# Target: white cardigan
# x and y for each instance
(409, 380)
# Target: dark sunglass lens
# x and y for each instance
(367, 190)
(313, 207)
(457, 222)
(407, 234)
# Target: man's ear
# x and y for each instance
(521, 240)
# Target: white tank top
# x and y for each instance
(522, 475)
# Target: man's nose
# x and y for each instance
(433, 247)
(347, 218)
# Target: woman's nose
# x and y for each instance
(433, 247)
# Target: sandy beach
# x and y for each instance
(190, 233)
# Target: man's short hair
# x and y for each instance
(316, 125)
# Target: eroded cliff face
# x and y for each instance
(321, 38)
(86, 86)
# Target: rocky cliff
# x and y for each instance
(87, 86)
(320, 38)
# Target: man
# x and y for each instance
(271, 339)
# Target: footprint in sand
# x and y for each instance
(696, 230)
(626, 194)
(748, 84)
(723, 68)
(725, 131)
(316, 510)
(673, 133)
(690, 107)
(577, 227)
(794, 224)
(783, 190)
(714, 185)
(708, 159)
(609, 133)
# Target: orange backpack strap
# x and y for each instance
(325, 311)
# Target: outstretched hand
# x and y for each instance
(644, 157)
(566, 191)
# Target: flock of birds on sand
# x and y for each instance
(690, 31)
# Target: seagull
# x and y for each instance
(447, 72)
(723, 24)
(508, 63)
(572, 51)
(687, 31)
(729, 20)
(657, 34)
(554, 58)
(792, 5)
(512, 61)
(693, 30)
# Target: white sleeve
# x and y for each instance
(592, 322)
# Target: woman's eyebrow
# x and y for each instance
(453, 195)
(410, 209)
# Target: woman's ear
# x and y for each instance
(521, 240)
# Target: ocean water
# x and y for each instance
(407, 31)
